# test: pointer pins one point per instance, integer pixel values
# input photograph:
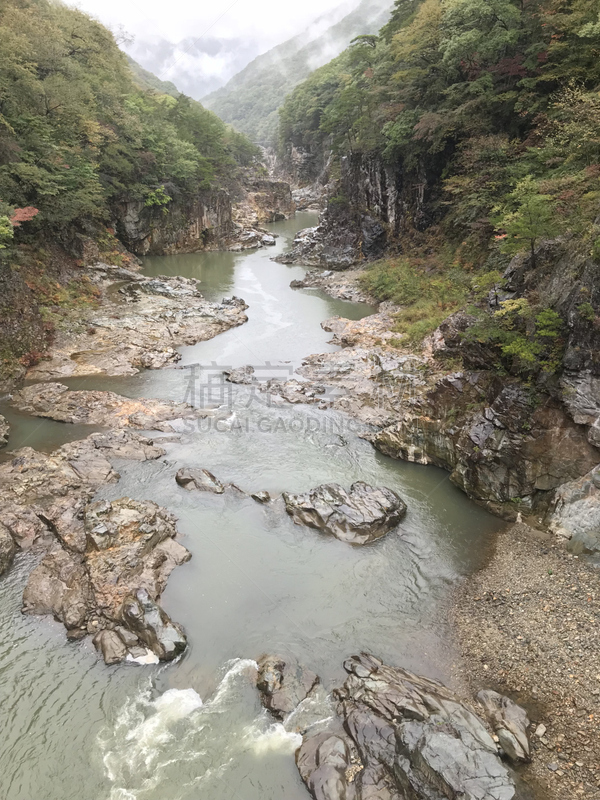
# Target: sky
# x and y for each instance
(199, 45)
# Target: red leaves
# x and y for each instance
(23, 215)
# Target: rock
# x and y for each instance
(261, 497)
(8, 548)
(283, 684)
(4, 431)
(60, 585)
(153, 626)
(510, 722)
(341, 285)
(396, 736)
(140, 327)
(56, 401)
(359, 516)
(108, 552)
(200, 479)
(244, 375)
(540, 731)
(575, 513)
(111, 646)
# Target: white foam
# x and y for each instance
(274, 738)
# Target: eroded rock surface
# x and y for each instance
(108, 553)
(396, 736)
(4, 431)
(139, 324)
(199, 479)
(283, 684)
(56, 401)
(575, 513)
(359, 516)
(8, 548)
(509, 721)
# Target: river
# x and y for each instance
(74, 729)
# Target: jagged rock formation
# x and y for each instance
(283, 684)
(106, 553)
(509, 721)
(199, 479)
(396, 735)
(359, 516)
(56, 401)
(138, 326)
(99, 554)
(265, 201)
(343, 237)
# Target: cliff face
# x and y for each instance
(210, 221)
(369, 206)
(199, 224)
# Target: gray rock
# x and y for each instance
(4, 431)
(359, 516)
(153, 626)
(200, 479)
(8, 548)
(261, 497)
(111, 646)
(397, 735)
(243, 375)
(283, 684)
(575, 513)
(510, 722)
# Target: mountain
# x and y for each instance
(148, 81)
(251, 99)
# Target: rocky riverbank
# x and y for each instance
(138, 323)
(526, 626)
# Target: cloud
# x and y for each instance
(199, 46)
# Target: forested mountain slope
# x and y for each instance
(469, 130)
(81, 145)
(251, 98)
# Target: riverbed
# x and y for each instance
(74, 728)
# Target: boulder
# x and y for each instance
(105, 554)
(283, 684)
(60, 585)
(243, 375)
(359, 516)
(575, 513)
(397, 735)
(261, 497)
(153, 626)
(510, 722)
(200, 479)
(8, 548)
(111, 646)
(4, 431)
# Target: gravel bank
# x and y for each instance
(527, 626)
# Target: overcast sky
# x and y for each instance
(199, 45)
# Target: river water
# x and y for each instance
(74, 729)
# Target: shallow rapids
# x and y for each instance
(74, 728)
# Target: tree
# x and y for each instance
(531, 218)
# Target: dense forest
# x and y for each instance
(490, 111)
(78, 134)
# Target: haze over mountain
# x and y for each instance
(249, 101)
(200, 46)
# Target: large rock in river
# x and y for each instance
(397, 736)
(359, 516)
(283, 684)
(108, 567)
(8, 548)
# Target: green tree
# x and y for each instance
(530, 216)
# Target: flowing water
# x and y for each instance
(73, 728)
